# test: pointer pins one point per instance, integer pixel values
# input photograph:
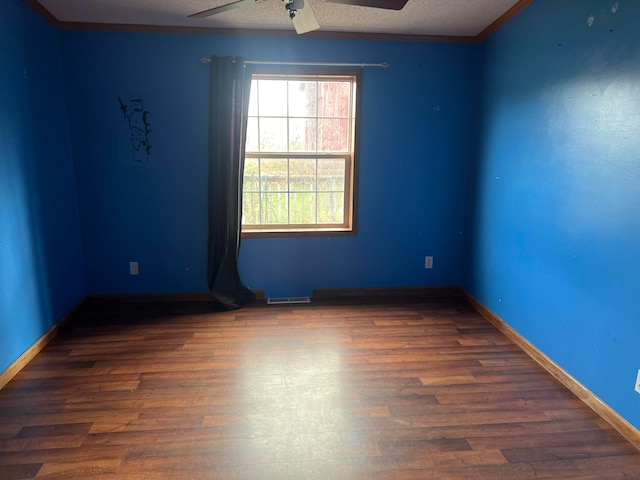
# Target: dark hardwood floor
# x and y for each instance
(391, 388)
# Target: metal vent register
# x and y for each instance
(283, 300)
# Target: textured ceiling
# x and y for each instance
(460, 18)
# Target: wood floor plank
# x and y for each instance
(387, 388)
(19, 472)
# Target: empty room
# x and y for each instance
(311, 239)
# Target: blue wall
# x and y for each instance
(41, 259)
(417, 122)
(555, 212)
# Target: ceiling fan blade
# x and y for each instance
(386, 4)
(305, 18)
(223, 8)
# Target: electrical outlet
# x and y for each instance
(638, 382)
(428, 262)
(133, 268)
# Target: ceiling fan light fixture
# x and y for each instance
(302, 15)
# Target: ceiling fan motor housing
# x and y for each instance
(293, 6)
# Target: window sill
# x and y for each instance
(281, 233)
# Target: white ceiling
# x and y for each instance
(466, 18)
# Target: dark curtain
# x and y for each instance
(228, 111)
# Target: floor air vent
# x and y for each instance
(284, 300)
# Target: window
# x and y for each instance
(300, 161)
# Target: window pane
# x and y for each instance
(330, 207)
(253, 99)
(333, 135)
(302, 208)
(273, 134)
(274, 175)
(331, 175)
(334, 99)
(272, 98)
(274, 208)
(302, 134)
(251, 209)
(251, 175)
(302, 99)
(252, 144)
(302, 174)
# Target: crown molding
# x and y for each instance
(502, 19)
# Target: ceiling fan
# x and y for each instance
(300, 11)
